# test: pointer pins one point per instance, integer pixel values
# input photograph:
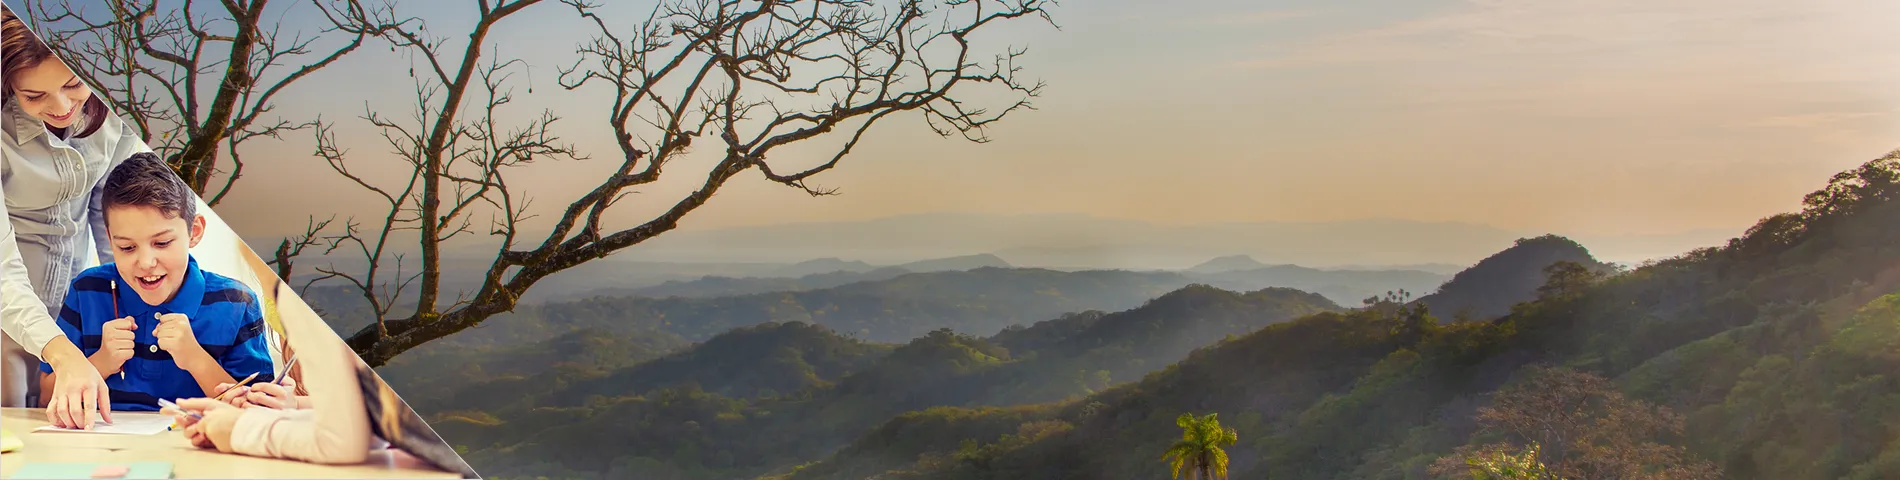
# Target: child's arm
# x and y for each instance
(115, 339)
(335, 427)
(250, 351)
(175, 336)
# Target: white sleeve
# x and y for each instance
(22, 315)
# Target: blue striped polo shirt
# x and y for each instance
(225, 317)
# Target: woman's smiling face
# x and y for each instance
(51, 93)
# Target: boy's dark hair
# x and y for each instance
(145, 181)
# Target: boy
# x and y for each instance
(153, 323)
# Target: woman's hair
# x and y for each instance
(20, 50)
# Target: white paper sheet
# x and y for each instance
(123, 423)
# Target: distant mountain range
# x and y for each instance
(1053, 241)
(979, 301)
(615, 277)
(1081, 241)
(1237, 273)
(834, 265)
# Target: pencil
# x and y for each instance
(166, 404)
(115, 315)
(280, 378)
(245, 381)
(163, 403)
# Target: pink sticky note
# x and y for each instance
(111, 471)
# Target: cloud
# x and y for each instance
(1720, 31)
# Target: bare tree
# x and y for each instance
(1576, 425)
(283, 259)
(751, 76)
(198, 85)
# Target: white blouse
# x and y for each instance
(56, 227)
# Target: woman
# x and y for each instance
(348, 411)
(58, 142)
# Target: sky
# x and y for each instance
(1600, 117)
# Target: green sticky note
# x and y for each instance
(83, 470)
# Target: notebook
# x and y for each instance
(8, 442)
(124, 423)
(83, 470)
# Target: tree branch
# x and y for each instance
(752, 75)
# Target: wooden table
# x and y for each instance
(188, 462)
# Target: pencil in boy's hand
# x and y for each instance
(115, 314)
(240, 383)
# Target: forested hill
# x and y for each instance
(431, 377)
(1489, 289)
(760, 361)
(768, 397)
(1770, 357)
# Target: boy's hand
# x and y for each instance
(115, 342)
(174, 335)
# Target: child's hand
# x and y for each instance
(174, 335)
(181, 415)
(237, 397)
(214, 430)
(271, 395)
(116, 341)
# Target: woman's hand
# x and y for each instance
(78, 389)
(214, 430)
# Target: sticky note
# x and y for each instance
(8, 442)
(111, 471)
(91, 470)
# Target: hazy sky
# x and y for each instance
(1591, 116)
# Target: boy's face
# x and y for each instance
(152, 249)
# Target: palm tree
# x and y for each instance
(1200, 448)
